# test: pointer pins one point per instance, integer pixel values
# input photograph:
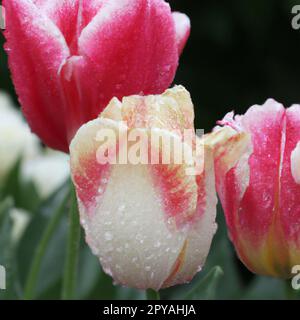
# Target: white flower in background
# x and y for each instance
(16, 140)
(48, 171)
(20, 219)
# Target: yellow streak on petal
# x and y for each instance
(228, 146)
(177, 265)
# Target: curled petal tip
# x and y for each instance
(183, 29)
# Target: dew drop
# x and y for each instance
(100, 190)
(108, 236)
(157, 244)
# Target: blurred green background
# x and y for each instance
(240, 53)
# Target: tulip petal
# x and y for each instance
(147, 55)
(117, 222)
(70, 16)
(201, 231)
(172, 111)
(183, 29)
(290, 188)
(262, 190)
(228, 146)
(65, 15)
(35, 45)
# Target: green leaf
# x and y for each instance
(24, 193)
(7, 252)
(72, 255)
(47, 232)
(89, 271)
(152, 295)
(105, 289)
(265, 288)
(206, 287)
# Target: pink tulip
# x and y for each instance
(261, 194)
(68, 58)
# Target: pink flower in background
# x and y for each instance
(69, 58)
(261, 194)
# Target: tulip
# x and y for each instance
(69, 58)
(260, 194)
(16, 140)
(150, 224)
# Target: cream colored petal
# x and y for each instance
(173, 110)
(201, 232)
(228, 146)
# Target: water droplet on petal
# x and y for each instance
(108, 236)
(157, 244)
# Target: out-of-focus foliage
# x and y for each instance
(240, 53)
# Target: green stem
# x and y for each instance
(152, 295)
(35, 267)
(71, 263)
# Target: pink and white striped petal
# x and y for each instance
(260, 194)
(35, 44)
